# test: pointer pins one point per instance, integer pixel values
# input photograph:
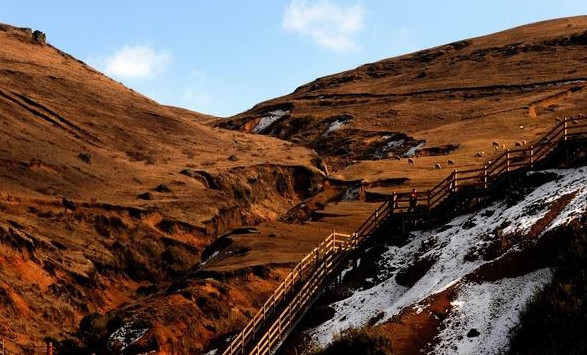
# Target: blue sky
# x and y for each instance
(222, 57)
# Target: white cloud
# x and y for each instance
(194, 94)
(403, 42)
(330, 25)
(136, 62)
(196, 99)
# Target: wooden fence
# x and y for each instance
(284, 308)
(483, 178)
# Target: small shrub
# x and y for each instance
(233, 158)
(163, 188)
(146, 196)
(368, 341)
(188, 172)
(189, 153)
(177, 260)
(85, 157)
(211, 305)
(142, 155)
(146, 290)
(95, 328)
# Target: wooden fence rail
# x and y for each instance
(269, 327)
(510, 160)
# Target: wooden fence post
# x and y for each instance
(2, 346)
(531, 157)
(565, 124)
(393, 202)
(428, 200)
(455, 176)
(317, 255)
(485, 177)
(50, 348)
(507, 161)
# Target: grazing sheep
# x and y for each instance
(558, 119)
(418, 155)
(575, 122)
(503, 146)
(495, 145)
(522, 127)
(397, 158)
(524, 142)
(518, 144)
(451, 162)
(410, 161)
(437, 166)
(479, 154)
(68, 205)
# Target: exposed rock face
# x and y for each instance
(39, 37)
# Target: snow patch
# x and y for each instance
(215, 254)
(568, 82)
(412, 151)
(448, 246)
(389, 145)
(127, 335)
(334, 126)
(267, 121)
(492, 309)
(351, 194)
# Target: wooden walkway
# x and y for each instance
(267, 330)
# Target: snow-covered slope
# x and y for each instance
(453, 253)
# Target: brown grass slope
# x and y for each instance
(123, 261)
(456, 99)
(68, 131)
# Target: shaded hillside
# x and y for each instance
(150, 187)
(453, 99)
(462, 288)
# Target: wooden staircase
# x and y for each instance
(267, 330)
